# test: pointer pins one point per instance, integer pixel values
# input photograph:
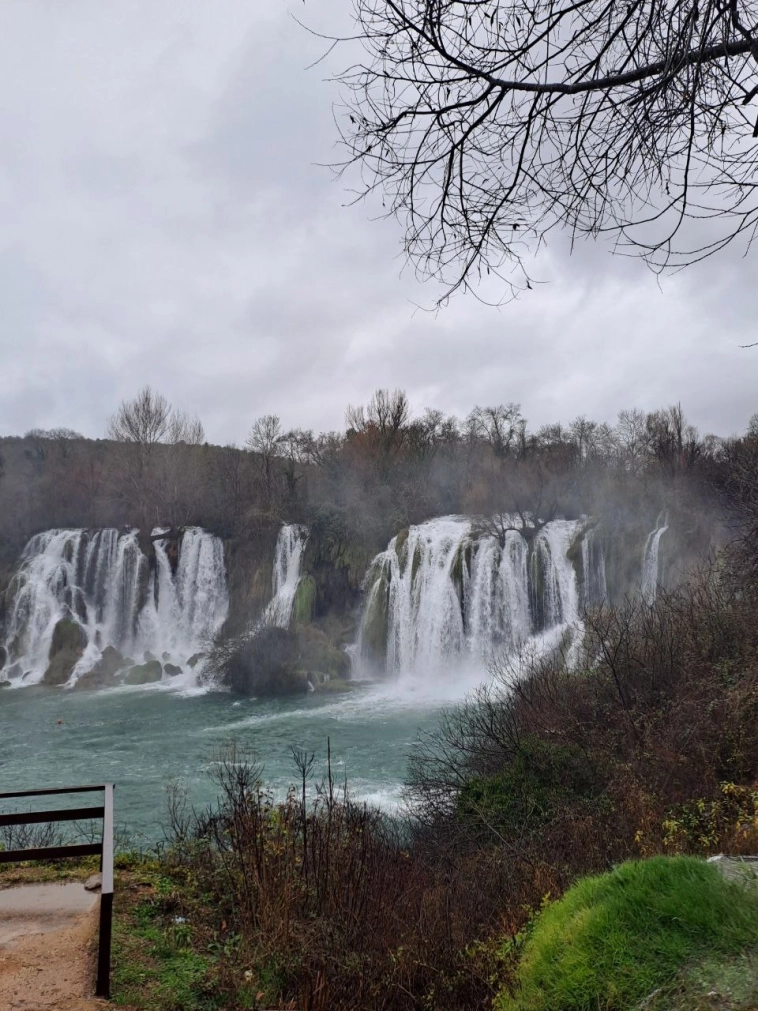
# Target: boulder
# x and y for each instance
(3, 657)
(110, 662)
(172, 669)
(103, 673)
(66, 650)
(195, 659)
(318, 654)
(90, 679)
(5, 684)
(67, 635)
(144, 673)
(265, 664)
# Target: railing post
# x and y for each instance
(103, 987)
(104, 849)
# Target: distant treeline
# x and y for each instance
(387, 469)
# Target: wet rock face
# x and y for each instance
(144, 673)
(110, 663)
(66, 650)
(105, 671)
(266, 665)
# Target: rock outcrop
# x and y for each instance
(66, 650)
(144, 673)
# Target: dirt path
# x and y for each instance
(47, 948)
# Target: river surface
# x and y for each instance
(142, 739)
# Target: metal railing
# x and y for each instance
(103, 849)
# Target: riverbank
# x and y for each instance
(174, 948)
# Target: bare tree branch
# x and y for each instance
(487, 124)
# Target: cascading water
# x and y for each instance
(441, 595)
(101, 580)
(651, 561)
(594, 589)
(290, 545)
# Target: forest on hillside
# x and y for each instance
(388, 468)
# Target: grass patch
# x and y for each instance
(43, 872)
(714, 984)
(160, 956)
(616, 940)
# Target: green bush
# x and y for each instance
(614, 940)
(541, 778)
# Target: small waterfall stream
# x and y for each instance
(651, 576)
(288, 555)
(103, 581)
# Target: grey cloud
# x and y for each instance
(164, 221)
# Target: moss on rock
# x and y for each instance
(334, 686)
(374, 628)
(318, 655)
(401, 548)
(303, 604)
(337, 559)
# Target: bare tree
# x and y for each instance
(264, 442)
(232, 480)
(487, 124)
(143, 421)
(185, 428)
(502, 427)
(385, 418)
(140, 425)
(633, 439)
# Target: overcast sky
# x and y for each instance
(165, 220)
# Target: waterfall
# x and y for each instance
(102, 580)
(441, 594)
(594, 586)
(650, 560)
(290, 545)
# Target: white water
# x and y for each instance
(290, 545)
(594, 589)
(102, 580)
(650, 561)
(455, 598)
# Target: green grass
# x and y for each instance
(158, 962)
(620, 939)
(714, 984)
